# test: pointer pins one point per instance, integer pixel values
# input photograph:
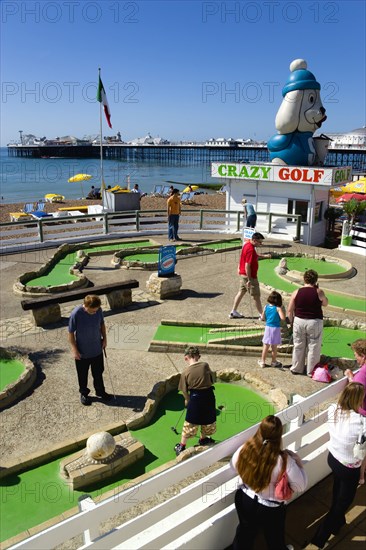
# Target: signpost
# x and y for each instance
(248, 233)
(167, 261)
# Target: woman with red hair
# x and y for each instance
(260, 463)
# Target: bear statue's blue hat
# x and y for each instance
(300, 78)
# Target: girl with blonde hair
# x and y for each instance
(260, 463)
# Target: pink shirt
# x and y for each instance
(360, 377)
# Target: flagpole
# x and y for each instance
(101, 145)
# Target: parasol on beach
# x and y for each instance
(80, 178)
(357, 186)
(190, 188)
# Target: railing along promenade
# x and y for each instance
(55, 231)
(202, 515)
(181, 153)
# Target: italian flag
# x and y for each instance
(102, 98)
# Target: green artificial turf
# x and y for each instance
(222, 245)
(37, 495)
(268, 276)
(10, 370)
(198, 335)
(59, 274)
(335, 339)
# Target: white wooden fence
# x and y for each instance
(202, 515)
(91, 226)
(50, 231)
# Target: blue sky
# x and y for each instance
(180, 70)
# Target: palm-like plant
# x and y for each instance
(354, 208)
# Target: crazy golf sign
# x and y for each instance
(282, 174)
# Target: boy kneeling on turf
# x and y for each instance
(199, 399)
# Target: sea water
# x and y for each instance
(30, 179)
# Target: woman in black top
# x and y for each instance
(305, 311)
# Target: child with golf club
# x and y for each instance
(199, 399)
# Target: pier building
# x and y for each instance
(182, 154)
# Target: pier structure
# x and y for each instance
(179, 154)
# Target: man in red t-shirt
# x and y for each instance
(248, 270)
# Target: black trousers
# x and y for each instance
(345, 482)
(97, 368)
(255, 517)
(251, 220)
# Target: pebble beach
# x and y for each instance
(215, 201)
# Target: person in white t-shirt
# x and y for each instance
(344, 423)
(136, 189)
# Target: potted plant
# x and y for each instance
(352, 208)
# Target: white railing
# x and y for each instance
(54, 231)
(353, 238)
(202, 515)
(86, 227)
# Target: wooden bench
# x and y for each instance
(47, 309)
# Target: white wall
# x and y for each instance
(273, 197)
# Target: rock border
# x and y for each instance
(188, 251)
(139, 420)
(159, 390)
(13, 391)
(20, 287)
(227, 346)
(82, 281)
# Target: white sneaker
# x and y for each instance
(277, 364)
(261, 363)
(236, 315)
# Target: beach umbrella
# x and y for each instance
(337, 192)
(348, 196)
(80, 178)
(187, 189)
(358, 186)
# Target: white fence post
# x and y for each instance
(86, 503)
(296, 422)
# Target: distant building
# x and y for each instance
(30, 139)
(355, 138)
(221, 142)
(149, 140)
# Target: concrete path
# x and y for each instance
(52, 412)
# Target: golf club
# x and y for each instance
(174, 428)
(109, 373)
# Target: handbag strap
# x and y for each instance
(284, 465)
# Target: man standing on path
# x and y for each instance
(250, 213)
(88, 339)
(248, 270)
(174, 209)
